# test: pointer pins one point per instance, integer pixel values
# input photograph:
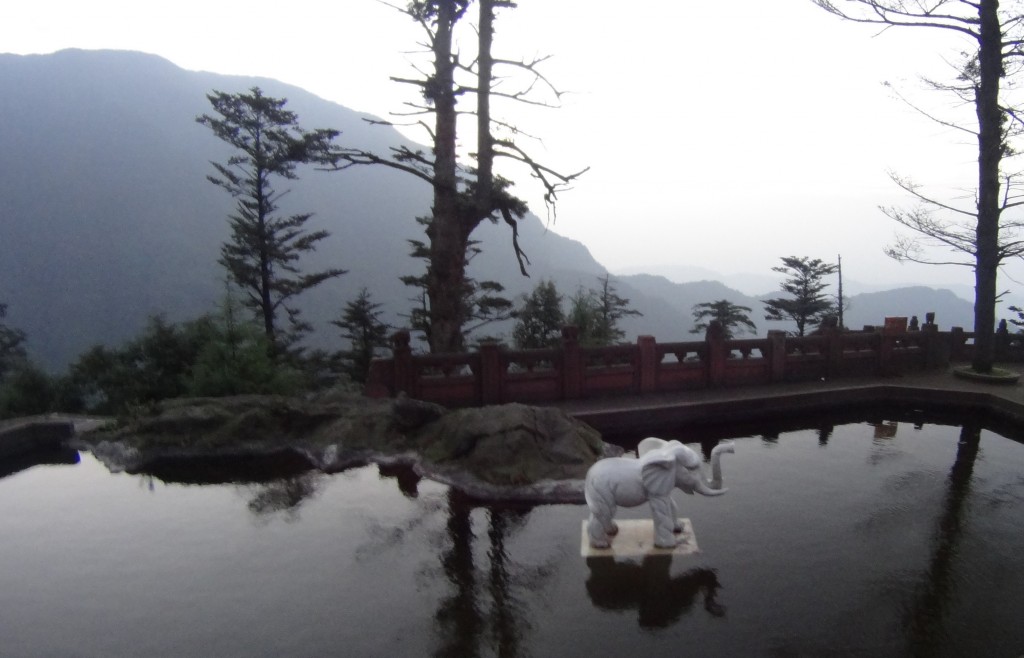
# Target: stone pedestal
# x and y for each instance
(636, 539)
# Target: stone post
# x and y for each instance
(894, 328)
(936, 355)
(957, 341)
(717, 353)
(490, 378)
(404, 374)
(777, 355)
(572, 365)
(1002, 341)
(833, 351)
(380, 380)
(648, 363)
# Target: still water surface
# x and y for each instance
(860, 539)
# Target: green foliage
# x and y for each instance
(582, 313)
(262, 255)
(154, 366)
(807, 304)
(365, 332)
(236, 358)
(540, 318)
(1019, 320)
(610, 309)
(597, 314)
(731, 316)
(26, 391)
(12, 345)
(214, 355)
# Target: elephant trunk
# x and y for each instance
(714, 487)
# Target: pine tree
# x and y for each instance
(539, 319)
(731, 316)
(365, 332)
(596, 313)
(262, 254)
(808, 305)
(610, 308)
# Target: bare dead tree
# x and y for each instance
(978, 234)
(464, 196)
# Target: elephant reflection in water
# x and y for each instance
(659, 598)
(662, 466)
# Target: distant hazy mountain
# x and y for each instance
(106, 216)
(871, 308)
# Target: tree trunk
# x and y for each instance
(990, 140)
(266, 303)
(446, 271)
(485, 145)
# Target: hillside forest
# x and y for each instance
(170, 233)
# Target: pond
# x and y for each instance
(880, 538)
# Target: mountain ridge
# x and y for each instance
(107, 217)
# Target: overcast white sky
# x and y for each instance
(721, 135)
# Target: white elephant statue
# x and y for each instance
(626, 482)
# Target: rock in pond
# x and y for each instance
(502, 452)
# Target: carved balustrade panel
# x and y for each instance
(613, 369)
(521, 362)
(448, 379)
(747, 348)
(680, 354)
(747, 362)
(679, 366)
(446, 366)
(805, 346)
(615, 356)
(860, 342)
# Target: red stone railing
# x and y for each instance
(495, 374)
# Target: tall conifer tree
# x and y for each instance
(263, 253)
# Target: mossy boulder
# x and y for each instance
(512, 444)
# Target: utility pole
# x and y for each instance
(839, 271)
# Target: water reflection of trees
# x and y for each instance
(278, 481)
(284, 496)
(483, 608)
(926, 615)
(659, 598)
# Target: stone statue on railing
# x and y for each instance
(662, 466)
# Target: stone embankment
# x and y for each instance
(34, 434)
(510, 452)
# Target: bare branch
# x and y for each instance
(348, 158)
(910, 250)
(552, 180)
(894, 15)
(912, 188)
(506, 214)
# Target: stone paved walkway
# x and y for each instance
(699, 404)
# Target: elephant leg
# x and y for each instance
(601, 527)
(664, 521)
(677, 527)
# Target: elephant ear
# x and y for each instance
(658, 472)
(649, 444)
